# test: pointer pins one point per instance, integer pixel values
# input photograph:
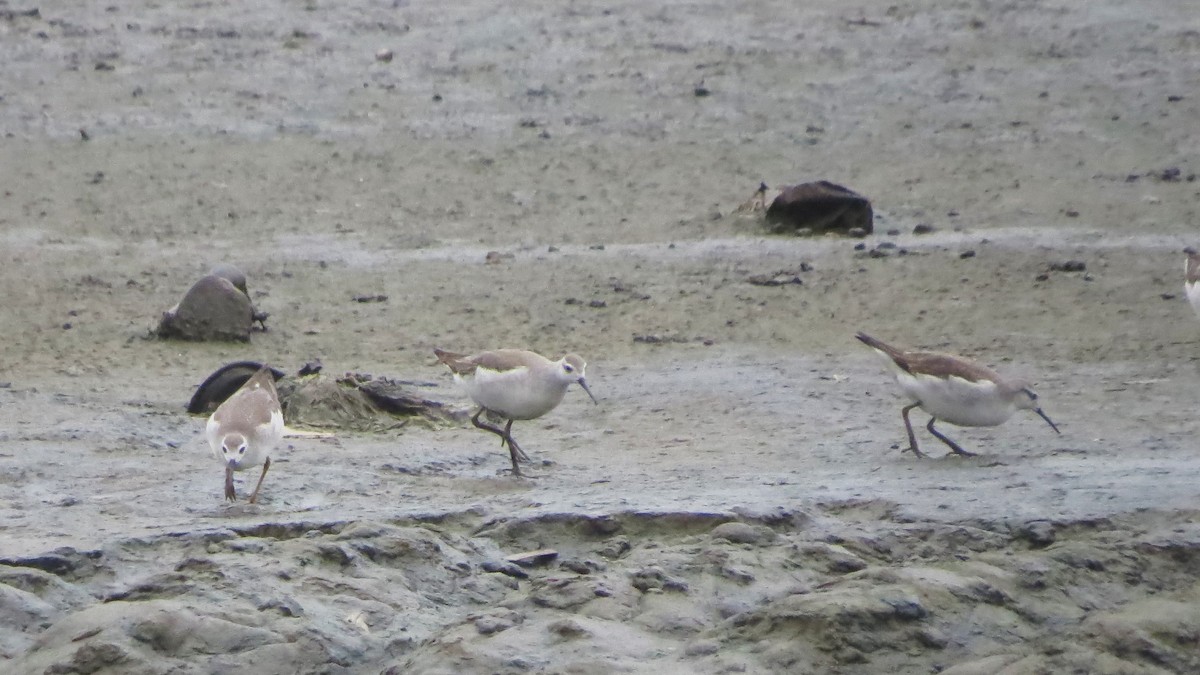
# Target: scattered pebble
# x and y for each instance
(533, 558)
(505, 568)
(1068, 266)
(783, 278)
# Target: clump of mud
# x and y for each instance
(358, 402)
(851, 588)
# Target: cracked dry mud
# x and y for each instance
(738, 502)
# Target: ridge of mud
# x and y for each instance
(715, 591)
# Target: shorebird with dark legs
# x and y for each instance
(514, 384)
(245, 428)
(955, 390)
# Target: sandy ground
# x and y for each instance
(738, 501)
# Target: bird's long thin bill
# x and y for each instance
(589, 391)
(1048, 420)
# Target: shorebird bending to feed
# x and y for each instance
(1191, 283)
(955, 390)
(514, 384)
(245, 428)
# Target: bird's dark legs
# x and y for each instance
(261, 476)
(953, 446)
(230, 493)
(912, 438)
(505, 435)
(512, 445)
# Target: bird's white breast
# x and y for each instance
(959, 401)
(261, 439)
(518, 394)
(1192, 289)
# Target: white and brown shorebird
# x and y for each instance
(955, 390)
(1191, 278)
(514, 384)
(245, 428)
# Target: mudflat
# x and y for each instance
(739, 501)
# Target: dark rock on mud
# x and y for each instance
(820, 207)
(221, 384)
(213, 309)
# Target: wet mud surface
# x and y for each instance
(738, 502)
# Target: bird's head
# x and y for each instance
(233, 449)
(571, 369)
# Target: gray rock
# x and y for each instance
(510, 569)
(562, 593)
(1039, 533)
(617, 547)
(213, 309)
(702, 648)
(23, 615)
(820, 207)
(649, 579)
(231, 274)
(567, 629)
(537, 558)
(741, 533)
(491, 624)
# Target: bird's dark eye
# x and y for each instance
(241, 451)
(568, 367)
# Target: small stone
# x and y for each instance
(533, 558)
(616, 547)
(1039, 533)
(384, 55)
(1068, 266)
(967, 254)
(567, 629)
(579, 566)
(702, 648)
(736, 532)
(908, 608)
(488, 625)
(286, 606)
(505, 568)
(923, 228)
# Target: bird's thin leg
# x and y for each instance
(266, 465)
(505, 437)
(953, 446)
(480, 424)
(912, 438)
(512, 444)
(230, 493)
